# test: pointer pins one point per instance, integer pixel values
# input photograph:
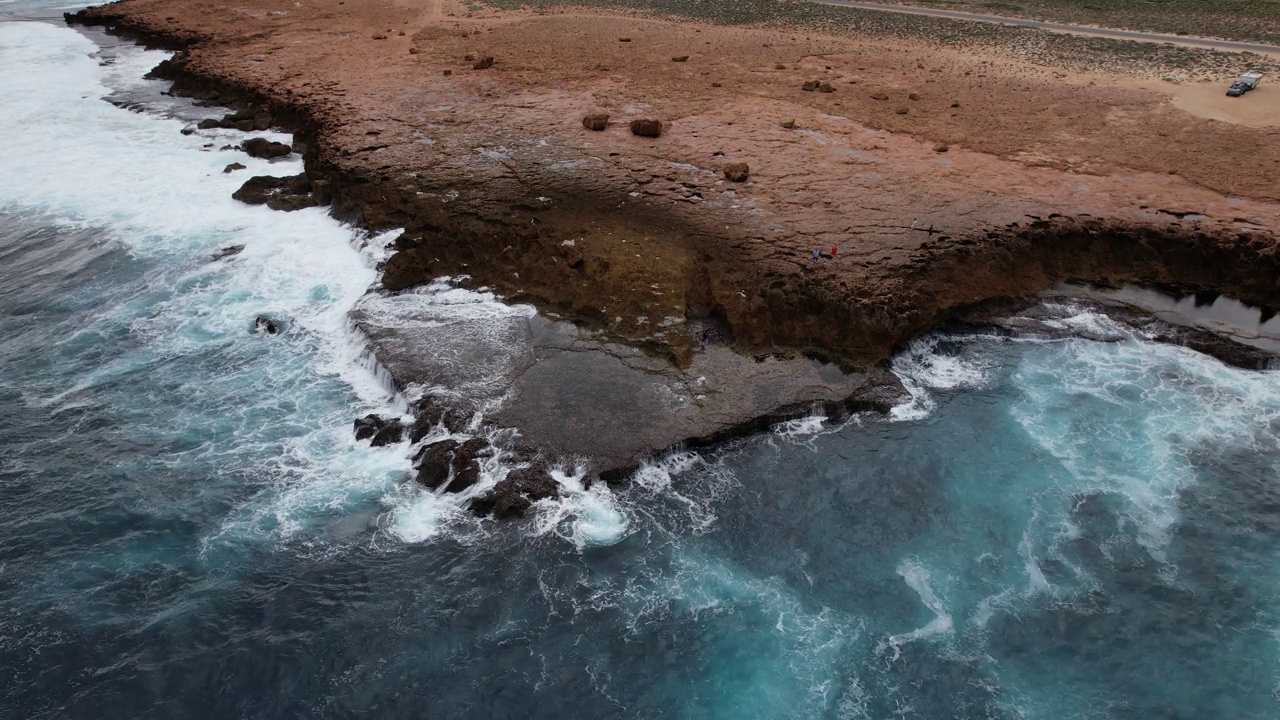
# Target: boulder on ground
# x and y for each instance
(902, 110)
(941, 147)
(913, 96)
(680, 58)
(262, 121)
(811, 85)
(263, 148)
(879, 96)
(483, 63)
(789, 123)
(596, 121)
(737, 172)
(826, 87)
(646, 127)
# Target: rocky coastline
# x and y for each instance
(783, 291)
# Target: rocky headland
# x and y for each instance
(720, 226)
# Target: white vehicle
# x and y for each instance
(1244, 84)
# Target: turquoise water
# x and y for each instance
(1054, 530)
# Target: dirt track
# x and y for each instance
(1185, 40)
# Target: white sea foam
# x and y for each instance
(586, 517)
(694, 505)
(917, 577)
(1126, 417)
(923, 369)
(800, 429)
(73, 158)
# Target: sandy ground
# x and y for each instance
(1258, 108)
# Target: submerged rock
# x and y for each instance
(228, 251)
(265, 326)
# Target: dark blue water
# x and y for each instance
(1049, 530)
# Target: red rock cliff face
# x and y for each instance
(493, 174)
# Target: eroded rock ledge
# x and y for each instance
(644, 243)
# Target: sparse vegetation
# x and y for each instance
(1243, 20)
(1052, 49)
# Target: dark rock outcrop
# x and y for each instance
(232, 168)
(440, 461)
(264, 148)
(483, 63)
(431, 411)
(434, 463)
(466, 465)
(282, 193)
(516, 493)
(381, 431)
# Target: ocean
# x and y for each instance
(1049, 529)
